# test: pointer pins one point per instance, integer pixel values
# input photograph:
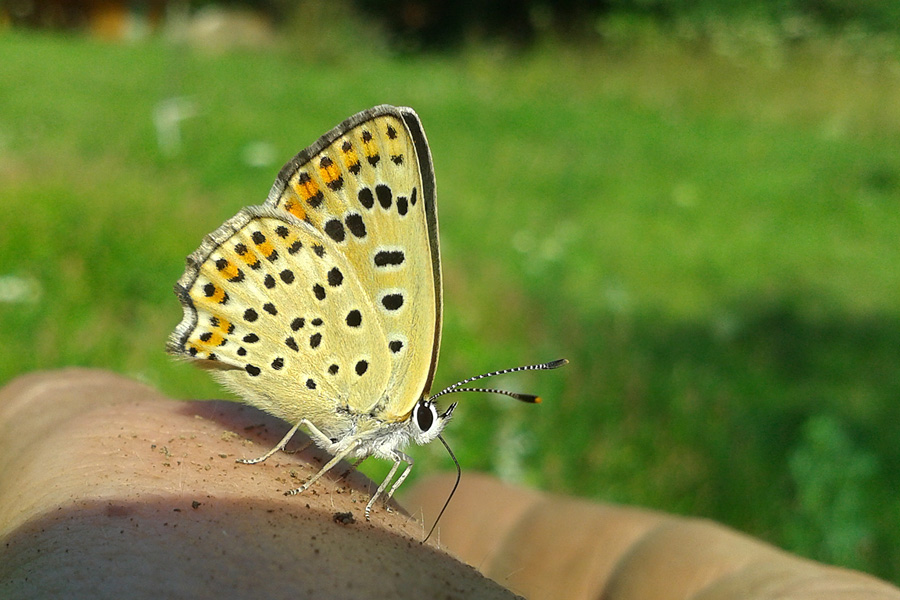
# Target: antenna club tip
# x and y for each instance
(558, 363)
(537, 400)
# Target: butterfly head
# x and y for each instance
(426, 423)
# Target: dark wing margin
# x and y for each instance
(429, 195)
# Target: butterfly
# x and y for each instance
(323, 305)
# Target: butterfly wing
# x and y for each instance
(326, 299)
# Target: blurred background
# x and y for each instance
(697, 203)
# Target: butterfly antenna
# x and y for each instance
(453, 491)
(456, 388)
(554, 364)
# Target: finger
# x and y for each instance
(546, 546)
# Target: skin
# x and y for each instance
(109, 489)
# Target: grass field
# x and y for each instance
(708, 230)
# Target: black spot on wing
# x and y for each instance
(389, 258)
(366, 198)
(384, 195)
(392, 301)
(356, 225)
(335, 278)
(335, 230)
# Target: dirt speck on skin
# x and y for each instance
(344, 518)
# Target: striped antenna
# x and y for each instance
(456, 388)
(554, 364)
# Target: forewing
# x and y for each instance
(368, 186)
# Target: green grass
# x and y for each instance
(710, 236)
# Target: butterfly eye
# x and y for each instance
(424, 415)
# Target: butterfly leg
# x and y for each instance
(383, 485)
(302, 448)
(320, 438)
(409, 464)
(352, 468)
(335, 460)
(398, 458)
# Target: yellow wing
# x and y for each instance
(326, 300)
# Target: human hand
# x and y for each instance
(109, 489)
